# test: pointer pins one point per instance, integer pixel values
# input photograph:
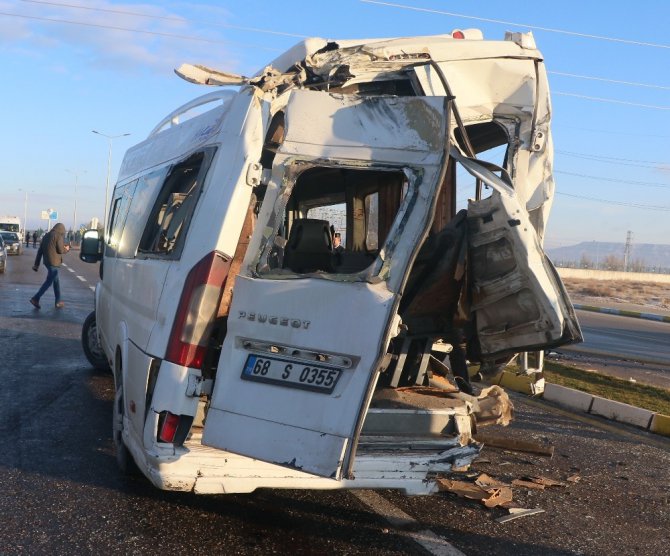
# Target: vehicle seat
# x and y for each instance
(310, 246)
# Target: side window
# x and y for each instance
(119, 211)
(143, 199)
(171, 214)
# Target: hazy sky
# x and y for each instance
(71, 67)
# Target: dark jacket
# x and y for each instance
(52, 247)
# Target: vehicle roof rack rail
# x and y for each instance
(174, 117)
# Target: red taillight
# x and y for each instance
(458, 34)
(197, 310)
(168, 428)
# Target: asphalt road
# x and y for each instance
(625, 337)
(60, 492)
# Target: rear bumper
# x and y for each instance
(380, 463)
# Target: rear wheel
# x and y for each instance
(91, 344)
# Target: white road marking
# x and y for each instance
(92, 288)
(81, 278)
(433, 543)
(71, 269)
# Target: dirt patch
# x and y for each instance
(619, 291)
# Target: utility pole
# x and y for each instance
(627, 250)
(110, 138)
(76, 181)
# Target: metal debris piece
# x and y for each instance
(574, 479)
(516, 513)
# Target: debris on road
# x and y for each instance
(516, 513)
(527, 484)
(516, 445)
(489, 491)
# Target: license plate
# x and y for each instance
(291, 373)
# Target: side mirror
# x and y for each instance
(91, 247)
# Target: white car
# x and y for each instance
(12, 243)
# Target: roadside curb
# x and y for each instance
(532, 383)
(570, 398)
(622, 312)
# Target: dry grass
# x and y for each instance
(639, 293)
(638, 395)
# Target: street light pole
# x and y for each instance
(76, 180)
(25, 212)
(25, 208)
(110, 138)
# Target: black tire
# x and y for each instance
(90, 343)
(124, 459)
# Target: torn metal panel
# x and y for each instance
(520, 305)
(405, 130)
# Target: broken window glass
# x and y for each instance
(175, 205)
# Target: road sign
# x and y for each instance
(53, 215)
(45, 215)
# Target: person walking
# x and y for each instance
(52, 248)
(34, 239)
(27, 238)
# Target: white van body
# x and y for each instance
(247, 352)
(11, 224)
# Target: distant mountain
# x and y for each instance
(604, 255)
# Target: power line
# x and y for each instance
(611, 100)
(615, 160)
(295, 35)
(617, 132)
(166, 18)
(142, 31)
(605, 80)
(614, 180)
(619, 203)
(503, 22)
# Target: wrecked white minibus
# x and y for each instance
(250, 350)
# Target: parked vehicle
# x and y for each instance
(247, 352)
(3, 256)
(13, 242)
(11, 224)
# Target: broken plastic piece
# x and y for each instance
(516, 513)
(202, 75)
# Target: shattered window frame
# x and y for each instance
(379, 268)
